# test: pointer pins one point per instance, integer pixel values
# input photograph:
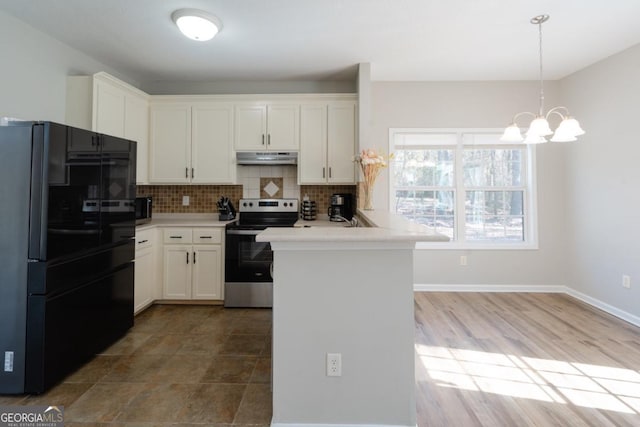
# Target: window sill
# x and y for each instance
(484, 246)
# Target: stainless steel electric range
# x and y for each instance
(249, 264)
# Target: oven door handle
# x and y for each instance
(244, 232)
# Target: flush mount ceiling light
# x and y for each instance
(196, 24)
(539, 129)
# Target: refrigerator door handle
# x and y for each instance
(39, 192)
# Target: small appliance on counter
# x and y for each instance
(144, 209)
(226, 211)
(341, 207)
(308, 209)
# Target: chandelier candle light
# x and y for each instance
(539, 129)
(371, 163)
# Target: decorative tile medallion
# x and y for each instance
(271, 187)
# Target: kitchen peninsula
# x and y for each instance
(345, 291)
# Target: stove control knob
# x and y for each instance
(285, 204)
(244, 204)
(250, 204)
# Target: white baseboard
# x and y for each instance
(607, 308)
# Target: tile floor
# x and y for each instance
(178, 366)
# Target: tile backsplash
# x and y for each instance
(202, 198)
(253, 182)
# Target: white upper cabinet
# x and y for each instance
(107, 105)
(328, 135)
(192, 143)
(341, 142)
(263, 127)
(170, 151)
(212, 155)
(136, 128)
(312, 161)
(108, 108)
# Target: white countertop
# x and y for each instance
(386, 227)
(183, 220)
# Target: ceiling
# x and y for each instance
(317, 40)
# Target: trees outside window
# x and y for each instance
(465, 184)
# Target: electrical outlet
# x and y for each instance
(463, 260)
(334, 364)
(185, 200)
(626, 281)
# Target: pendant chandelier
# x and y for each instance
(539, 129)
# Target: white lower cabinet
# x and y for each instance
(145, 268)
(193, 263)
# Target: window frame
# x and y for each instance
(530, 207)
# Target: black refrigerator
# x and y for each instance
(67, 223)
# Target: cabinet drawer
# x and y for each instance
(177, 235)
(145, 239)
(207, 235)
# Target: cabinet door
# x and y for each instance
(212, 154)
(108, 109)
(251, 127)
(136, 128)
(283, 127)
(144, 279)
(341, 142)
(177, 271)
(170, 144)
(312, 162)
(207, 272)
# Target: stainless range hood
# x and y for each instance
(267, 158)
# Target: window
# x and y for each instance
(466, 184)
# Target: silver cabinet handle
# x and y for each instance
(323, 170)
(186, 172)
(329, 171)
(187, 257)
(191, 172)
(206, 237)
(269, 139)
(194, 257)
(175, 237)
(142, 241)
(263, 139)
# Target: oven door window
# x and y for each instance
(247, 260)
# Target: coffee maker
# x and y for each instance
(341, 206)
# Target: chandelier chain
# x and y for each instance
(541, 70)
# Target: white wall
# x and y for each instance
(34, 71)
(603, 174)
(479, 105)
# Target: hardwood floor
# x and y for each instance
(494, 359)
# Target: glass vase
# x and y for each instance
(368, 197)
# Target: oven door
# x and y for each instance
(248, 281)
(247, 260)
